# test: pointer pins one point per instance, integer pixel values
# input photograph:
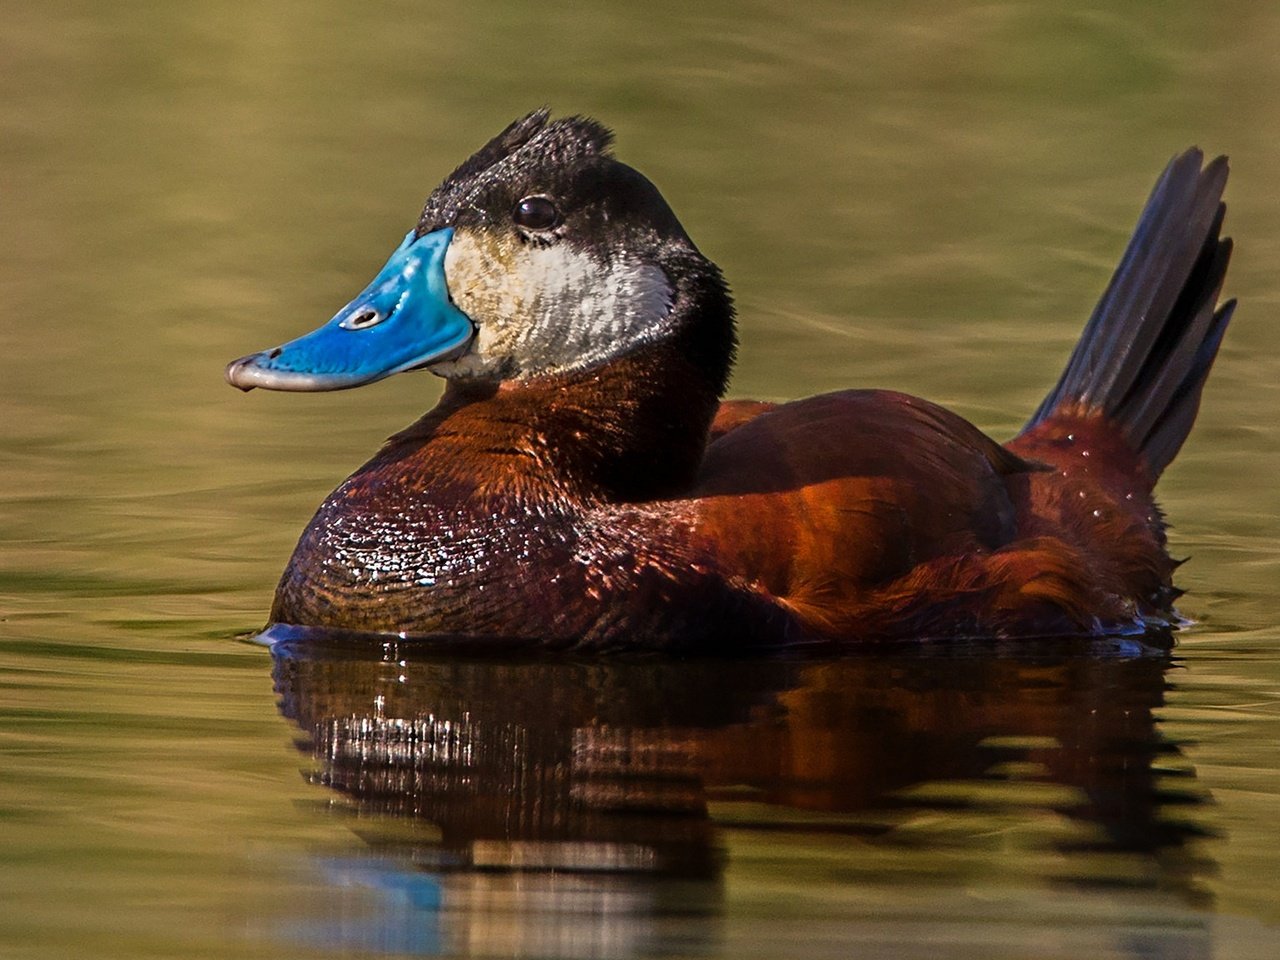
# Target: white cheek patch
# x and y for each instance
(551, 309)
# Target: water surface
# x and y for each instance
(921, 195)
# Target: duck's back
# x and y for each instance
(855, 487)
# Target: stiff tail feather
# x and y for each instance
(1145, 353)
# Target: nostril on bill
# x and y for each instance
(365, 318)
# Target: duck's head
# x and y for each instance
(540, 256)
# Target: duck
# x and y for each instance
(582, 485)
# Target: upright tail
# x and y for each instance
(1146, 351)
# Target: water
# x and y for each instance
(920, 195)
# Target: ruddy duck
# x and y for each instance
(581, 485)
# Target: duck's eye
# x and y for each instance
(536, 213)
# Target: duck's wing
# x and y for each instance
(869, 514)
(853, 488)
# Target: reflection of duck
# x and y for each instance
(615, 766)
(564, 490)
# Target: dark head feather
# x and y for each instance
(561, 143)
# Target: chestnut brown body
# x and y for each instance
(854, 516)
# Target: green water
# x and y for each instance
(921, 195)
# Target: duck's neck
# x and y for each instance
(633, 429)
